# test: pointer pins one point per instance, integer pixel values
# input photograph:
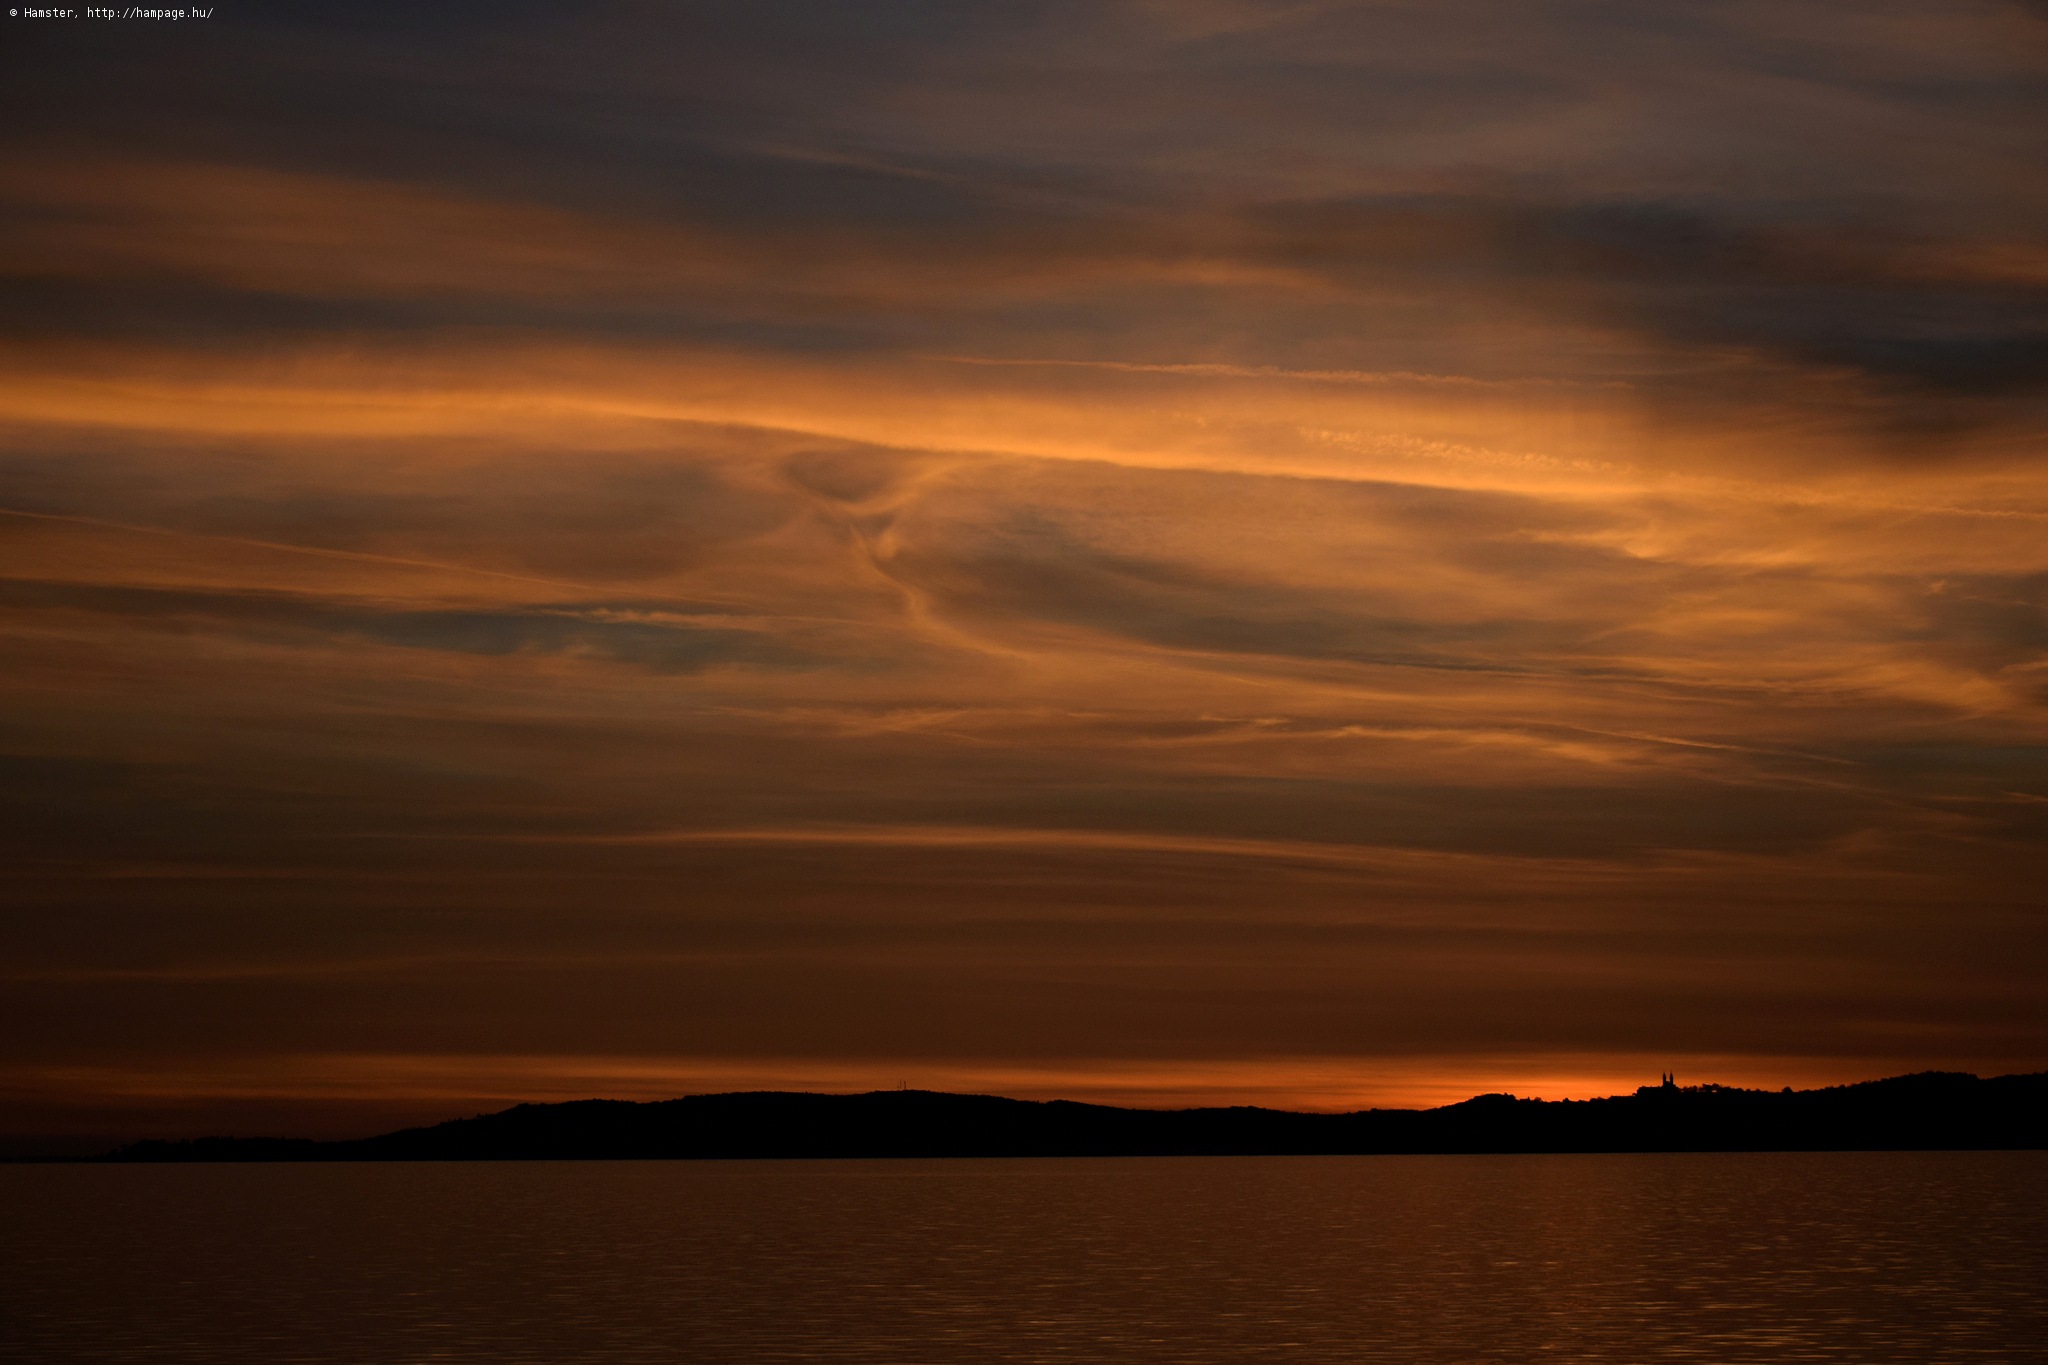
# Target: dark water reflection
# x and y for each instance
(1911, 1257)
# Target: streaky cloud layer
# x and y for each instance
(1168, 552)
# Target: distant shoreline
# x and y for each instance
(1928, 1111)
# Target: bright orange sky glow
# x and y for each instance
(1182, 551)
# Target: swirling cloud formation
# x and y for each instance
(1166, 550)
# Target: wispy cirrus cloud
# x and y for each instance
(1168, 550)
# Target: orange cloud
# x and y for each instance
(1286, 561)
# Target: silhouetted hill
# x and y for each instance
(1930, 1110)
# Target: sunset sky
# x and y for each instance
(1161, 551)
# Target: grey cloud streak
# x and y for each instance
(1160, 545)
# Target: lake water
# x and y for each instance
(1909, 1257)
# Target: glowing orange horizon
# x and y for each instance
(1180, 589)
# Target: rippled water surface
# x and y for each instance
(1912, 1257)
